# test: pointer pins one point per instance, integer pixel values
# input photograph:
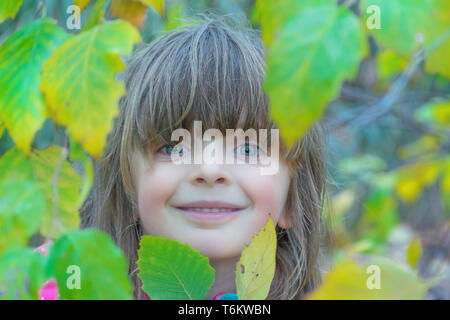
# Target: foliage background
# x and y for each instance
(379, 149)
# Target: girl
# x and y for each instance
(213, 73)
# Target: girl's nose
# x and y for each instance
(211, 175)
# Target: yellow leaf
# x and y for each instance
(408, 188)
(378, 278)
(413, 178)
(441, 112)
(445, 183)
(81, 3)
(132, 11)
(345, 281)
(256, 267)
(79, 85)
(414, 251)
(9, 9)
(158, 5)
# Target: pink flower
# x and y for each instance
(49, 290)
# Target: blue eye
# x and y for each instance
(247, 150)
(169, 149)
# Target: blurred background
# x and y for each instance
(388, 146)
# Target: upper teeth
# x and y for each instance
(210, 209)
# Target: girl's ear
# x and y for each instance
(284, 221)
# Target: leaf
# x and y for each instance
(102, 266)
(170, 270)
(175, 13)
(157, 5)
(404, 33)
(132, 11)
(77, 154)
(445, 183)
(389, 64)
(437, 112)
(22, 56)
(256, 267)
(9, 8)
(2, 127)
(28, 197)
(274, 14)
(65, 199)
(352, 281)
(22, 272)
(414, 251)
(22, 200)
(316, 50)
(413, 178)
(82, 3)
(95, 16)
(380, 214)
(79, 85)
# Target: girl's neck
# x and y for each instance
(224, 280)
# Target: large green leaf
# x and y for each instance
(425, 21)
(273, 14)
(22, 56)
(9, 8)
(37, 193)
(95, 260)
(170, 270)
(60, 184)
(79, 82)
(22, 200)
(316, 50)
(22, 272)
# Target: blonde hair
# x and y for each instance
(213, 72)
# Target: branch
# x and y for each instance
(364, 115)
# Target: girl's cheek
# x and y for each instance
(267, 192)
(156, 187)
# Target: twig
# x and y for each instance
(39, 9)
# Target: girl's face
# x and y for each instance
(167, 194)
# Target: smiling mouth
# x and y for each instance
(209, 210)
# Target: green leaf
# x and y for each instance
(95, 16)
(29, 198)
(102, 266)
(22, 272)
(53, 170)
(404, 33)
(414, 251)
(170, 270)
(274, 14)
(256, 267)
(316, 50)
(9, 8)
(22, 200)
(22, 56)
(79, 83)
